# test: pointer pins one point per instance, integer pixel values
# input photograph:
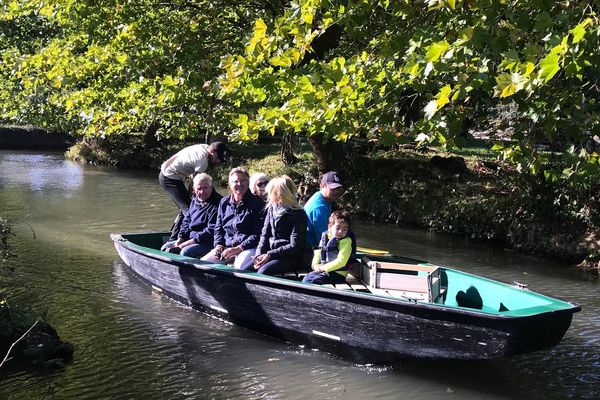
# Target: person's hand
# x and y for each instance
(178, 242)
(260, 260)
(231, 252)
(218, 250)
(319, 268)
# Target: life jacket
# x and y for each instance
(330, 251)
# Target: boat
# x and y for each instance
(392, 308)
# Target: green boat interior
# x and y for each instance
(413, 281)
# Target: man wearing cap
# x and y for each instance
(318, 207)
(188, 161)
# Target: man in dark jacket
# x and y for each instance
(196, 235)
(239, 222)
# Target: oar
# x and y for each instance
(375, 252)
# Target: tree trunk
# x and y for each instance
(328, 155)
(150, 139)
(287, 150)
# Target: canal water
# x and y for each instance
(132, 343)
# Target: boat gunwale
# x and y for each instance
(360, 297)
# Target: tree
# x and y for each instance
(445, 58)
(119, 67)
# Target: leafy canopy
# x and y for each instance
(109, 67)
(445, 59)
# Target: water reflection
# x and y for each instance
(42, 173)
(134, 343)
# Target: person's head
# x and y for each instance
(202, 186)
(331, 186)
(238, 181)
(218, 153)
(282, 191)
(258, 184)
(339, 224)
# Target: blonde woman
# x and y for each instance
(283, 238)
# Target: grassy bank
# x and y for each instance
(472, 195)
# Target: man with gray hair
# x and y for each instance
(197, 228)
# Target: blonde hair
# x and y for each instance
(282, 190)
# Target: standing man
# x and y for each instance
(190, 160)
(318, 207)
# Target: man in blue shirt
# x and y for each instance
(318, 207)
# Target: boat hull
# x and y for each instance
(357, 326)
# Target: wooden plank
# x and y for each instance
(380, 292)
(290, 275)
(343, 286)
(406, 267)
(407, 294)
(356, 284)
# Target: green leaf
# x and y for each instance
(549, 67)
(505, 86)
(436, 50)
(579, 31)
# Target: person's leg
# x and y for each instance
(244, 258)
(276, 267)
(248, 266)
(168, 244)
(180, 196)
(309, 277)
(324, 278)
(210, 257)
(195, 250)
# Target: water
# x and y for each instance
(132, 343)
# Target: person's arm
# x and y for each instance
(219, 233)
(207, 234)
(184, 229)
(344, 252)
(297, 238)
(265, 235)
(257, 220)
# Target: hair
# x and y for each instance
(203, 177)
(340, 216)
(239, 170)
(255, 177)
(282, 189)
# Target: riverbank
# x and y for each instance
(25, 340)
(31, 138)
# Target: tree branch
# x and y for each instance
(17, 341)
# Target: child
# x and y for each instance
(331, 261)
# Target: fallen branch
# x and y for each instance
(17, 341)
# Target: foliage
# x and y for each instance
(118, 66)
(387, 71)
(406, 70)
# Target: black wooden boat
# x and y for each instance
(457, 316)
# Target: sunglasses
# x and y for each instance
(262, 184)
